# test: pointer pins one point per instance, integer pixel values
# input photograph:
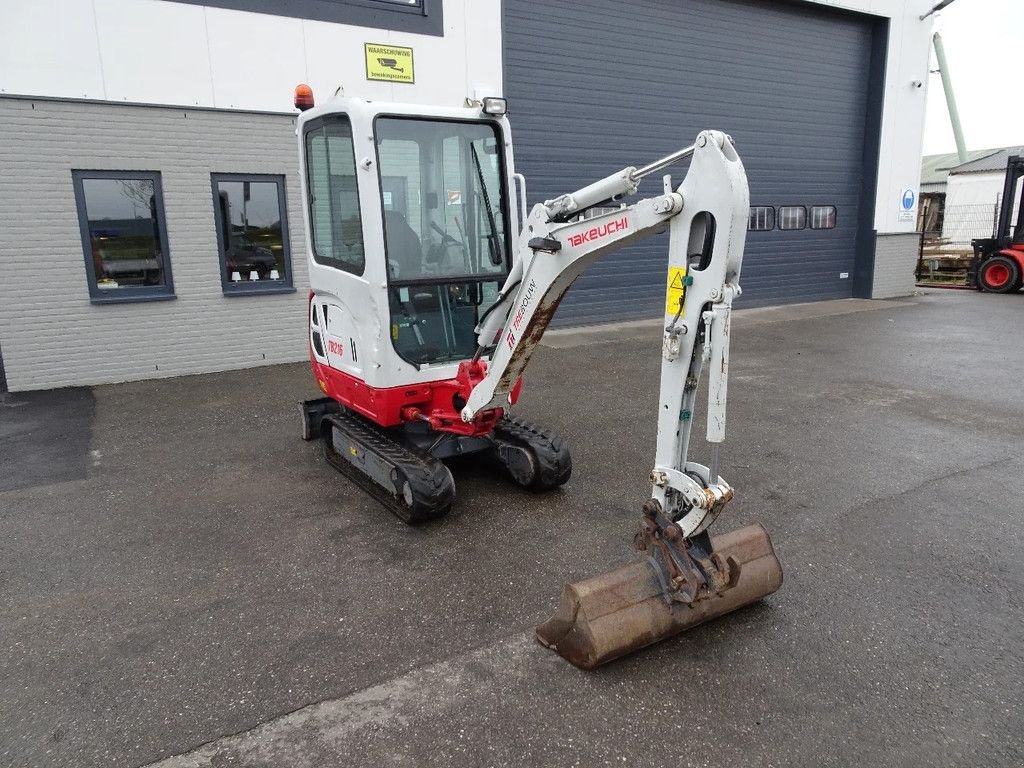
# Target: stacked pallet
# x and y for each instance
(943, 261)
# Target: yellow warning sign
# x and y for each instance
(676, 289)
(392, 63)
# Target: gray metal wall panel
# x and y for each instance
(52, 335)
(895, 262)
(603, 84)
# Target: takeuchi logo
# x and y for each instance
(596, 233)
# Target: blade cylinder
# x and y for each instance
(608, 616)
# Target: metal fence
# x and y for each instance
(962, 223)
(946, 250)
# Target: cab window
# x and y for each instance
(337, 231)
(444, 212)
(445, 227)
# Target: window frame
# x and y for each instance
(810, 217)
(247, 287)
(442, 280)
(778, 218)
(308, 128)
(135, 293)
(425, 17)
(766, 208)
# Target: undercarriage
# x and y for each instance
(403, 467)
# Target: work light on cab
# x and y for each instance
(493, 105)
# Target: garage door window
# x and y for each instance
(762, 218)
(121, 219)
(823, 217)
(792, 217)
(252, 233)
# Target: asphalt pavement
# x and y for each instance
(184, 581)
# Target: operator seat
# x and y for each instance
(403, 246)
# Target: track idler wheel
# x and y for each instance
(603, 618)
(535, 458)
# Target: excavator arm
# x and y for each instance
(687, 576)
(707, 219)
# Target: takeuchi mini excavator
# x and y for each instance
(431, 285)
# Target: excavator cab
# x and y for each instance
(409, 230)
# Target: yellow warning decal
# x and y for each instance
(676, 289)
(392, 63)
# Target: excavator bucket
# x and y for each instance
(608, 616)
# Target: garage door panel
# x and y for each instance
(603, 84)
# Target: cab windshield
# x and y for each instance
(445, 231)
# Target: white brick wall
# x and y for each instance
(895, 259)
(50, 333)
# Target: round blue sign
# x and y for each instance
(908, 199)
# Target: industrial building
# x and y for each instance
(960, 201)
(150, 205)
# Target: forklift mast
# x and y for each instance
(1004, 236)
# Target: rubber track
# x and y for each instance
(433, 487)
(553, 459)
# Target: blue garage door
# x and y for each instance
(597, 85)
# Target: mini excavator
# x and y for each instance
(431, 286)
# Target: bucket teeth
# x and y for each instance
(608, 616)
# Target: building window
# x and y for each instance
(121, 217)
(792, 217)
(425, 17)
(333, 194)
(762, 218)
(252, 233)
(823, 217)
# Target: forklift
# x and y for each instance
(998, 262)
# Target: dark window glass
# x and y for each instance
(252, 232)
(762, 218)
(122, 224)
(334, 195)
(424, 17)
(823, 217)
(792, 217)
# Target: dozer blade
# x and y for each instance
(608, 616)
